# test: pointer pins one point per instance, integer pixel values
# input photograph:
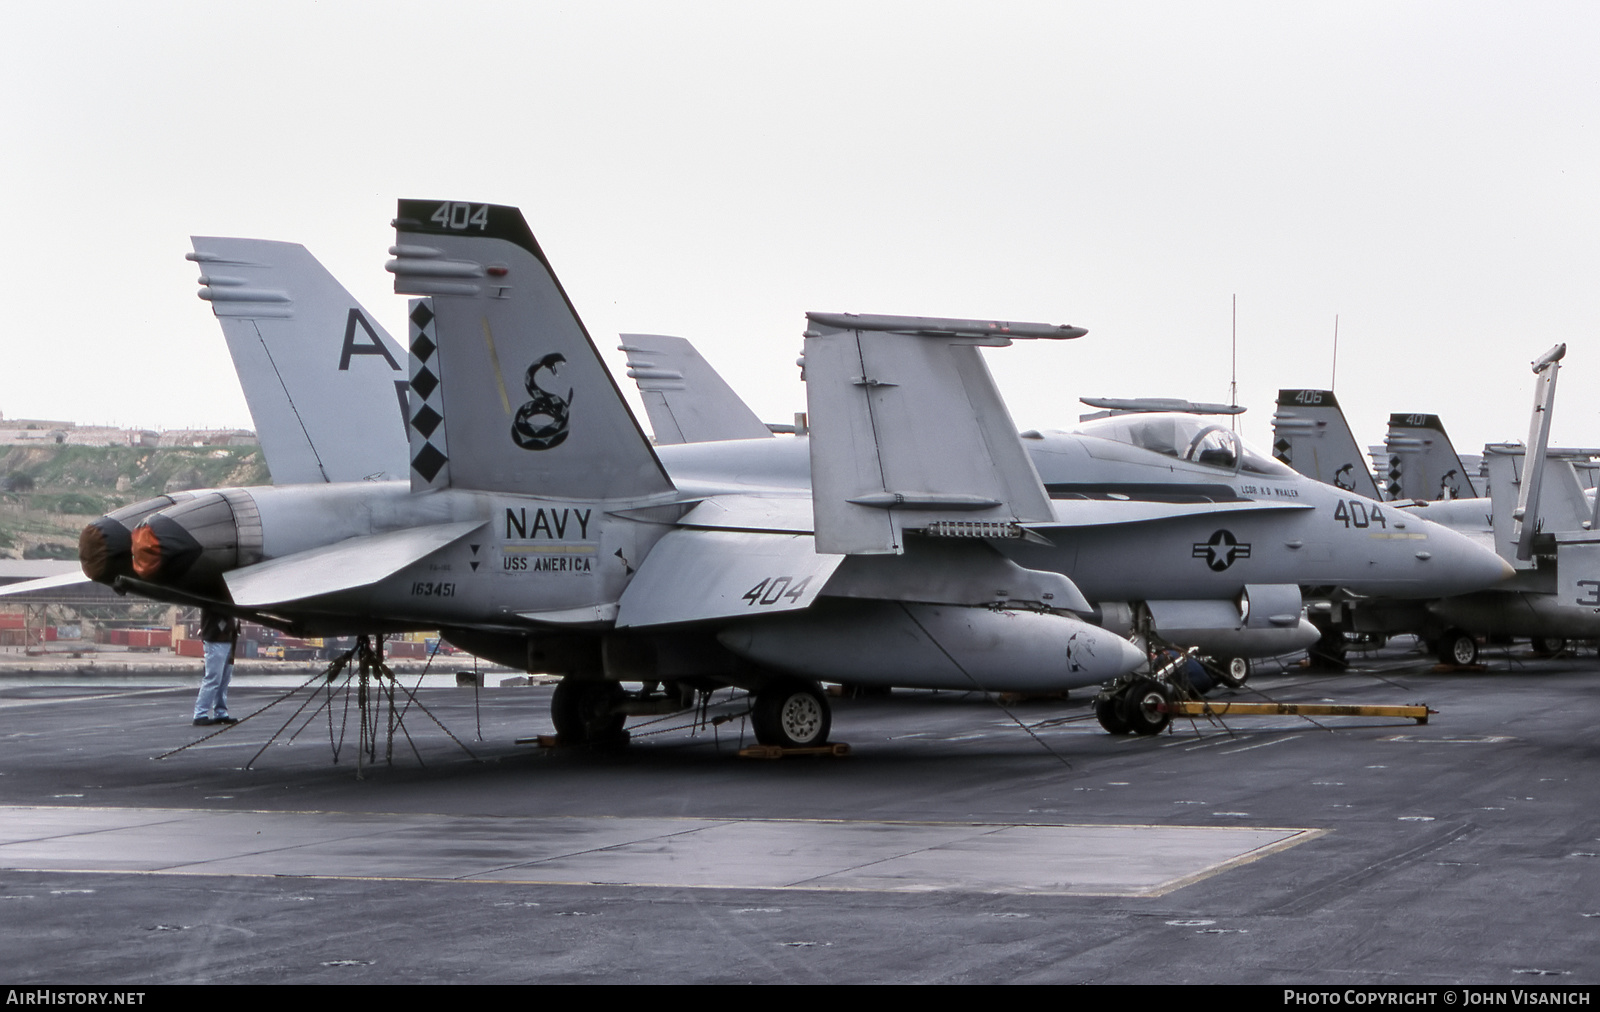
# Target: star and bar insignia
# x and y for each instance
(1222, 550)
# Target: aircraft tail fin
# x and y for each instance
(323, 380)
(503, 360)
(1423, 464)
(1560, 505)
(1310, 434)
(687, 400)
(909, 433)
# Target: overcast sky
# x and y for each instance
(1428, 172)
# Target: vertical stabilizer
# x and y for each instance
(1310, 434)
(686, 399)
(529, 405)
(325, 383)
(909, 433)
(1422, 462)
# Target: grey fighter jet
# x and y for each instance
(1152, 432)
(1254, 609)
(539, 527)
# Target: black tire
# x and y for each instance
(1548, 646)
(790, 713)
(1457, 648)
(1234, 671)
(582, 711)
(1107, 710)
(1139, 707)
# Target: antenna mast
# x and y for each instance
(1335, 373)
(1233, 382)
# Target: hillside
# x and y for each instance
(48, 493)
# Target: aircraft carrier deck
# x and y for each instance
(951, 846)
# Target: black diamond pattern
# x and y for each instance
(426, 421)
(422, 315)
(424, 383)
(428, 462)
(423, 348)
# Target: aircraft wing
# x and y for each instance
(347, 565)
(692, 575)
(31, 587)
(686, 399)
(909, 433)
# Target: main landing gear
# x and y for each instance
(1328, 652)
(1457, 647)
(791, 713)
(588, 712)
(786, 712)
(1549, 646)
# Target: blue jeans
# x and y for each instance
(214, 686)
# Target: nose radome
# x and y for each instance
(1460, 564)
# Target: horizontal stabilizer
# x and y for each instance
(325, 383)
(694, 575)
(687, 400)
(908, 431)
(348, 565)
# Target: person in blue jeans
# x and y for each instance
(218, 633)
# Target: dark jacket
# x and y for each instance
(218, 628)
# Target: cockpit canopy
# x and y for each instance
(1186, 437)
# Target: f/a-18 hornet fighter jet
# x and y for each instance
(539, 527)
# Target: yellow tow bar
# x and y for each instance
(1418, 713)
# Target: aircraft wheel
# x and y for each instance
(790, 713)
(1548, 646)
(581, 709)
(1107, 710)
(1458, 648)
(1140, 707)
(1235, 671)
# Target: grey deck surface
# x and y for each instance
(952, 846)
